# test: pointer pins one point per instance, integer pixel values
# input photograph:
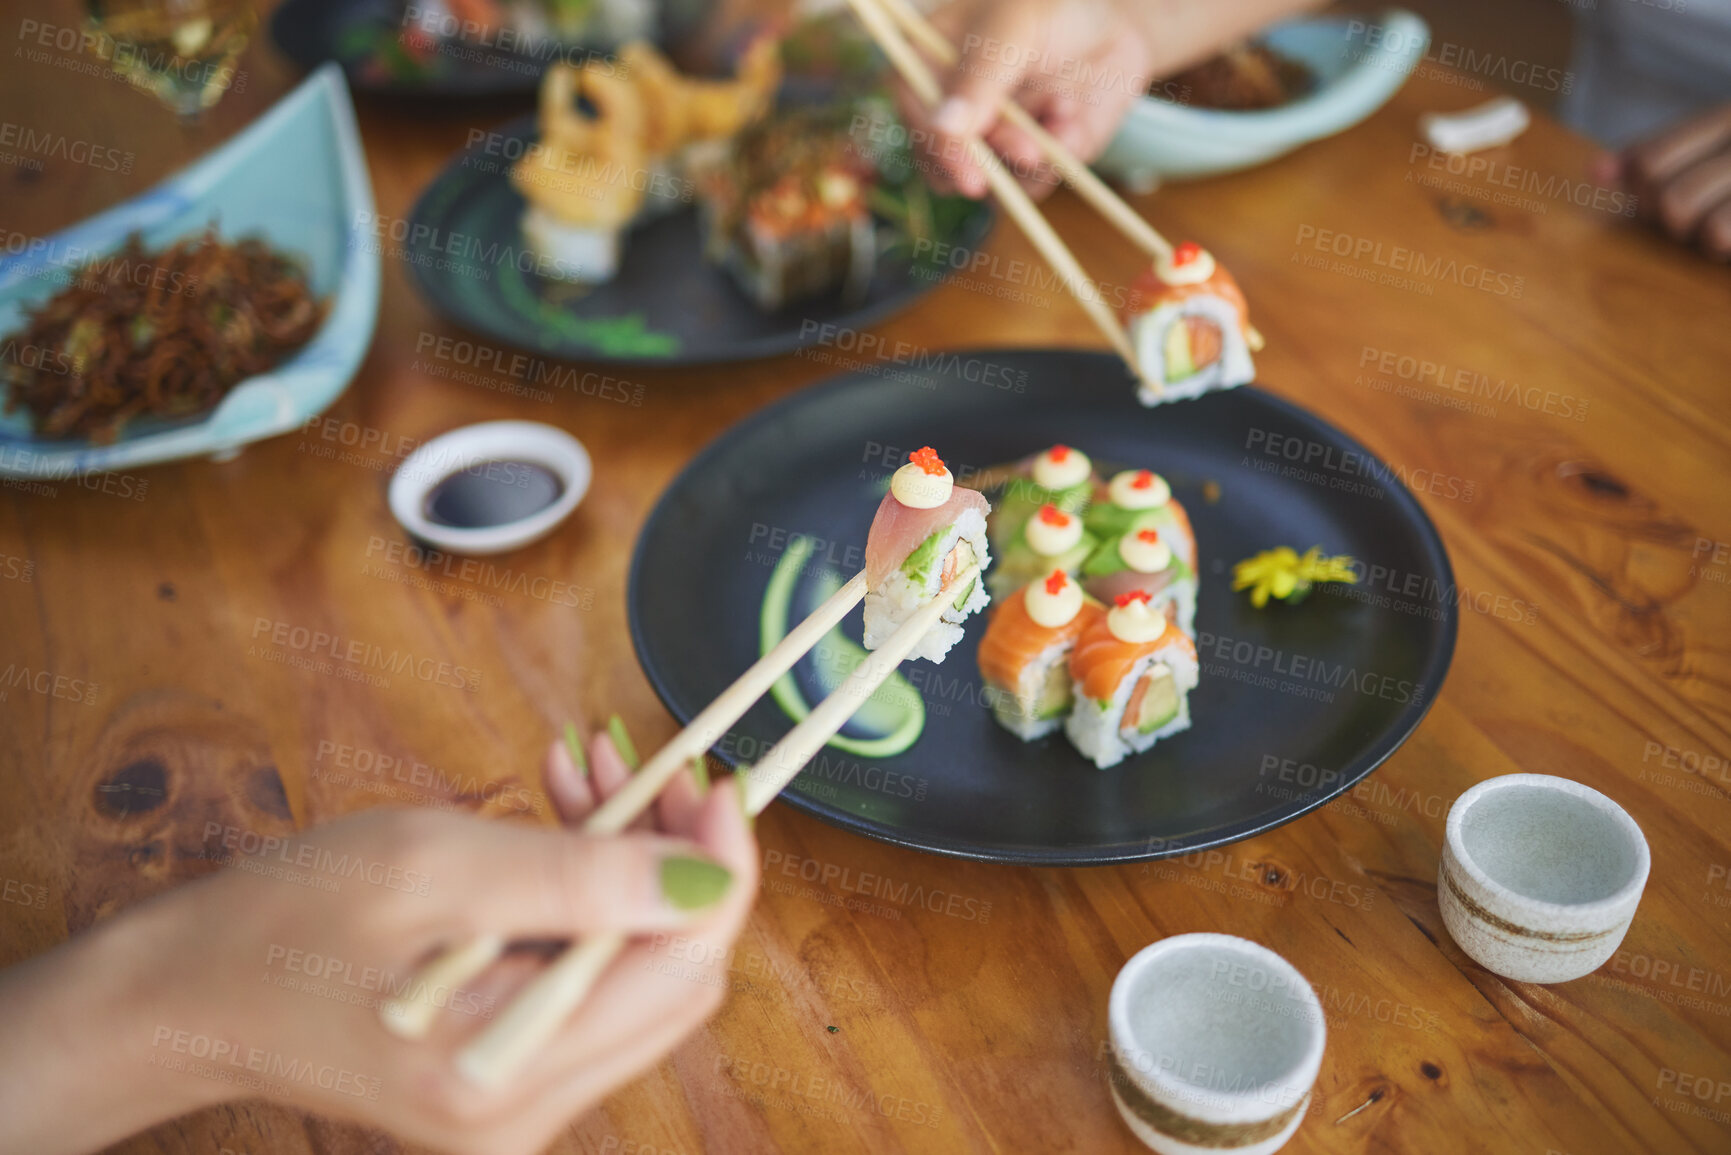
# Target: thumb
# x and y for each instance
(996, 54)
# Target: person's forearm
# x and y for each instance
(78, 1069)
(1186, 32)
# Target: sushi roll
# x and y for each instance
(1051, 539)
(1133, 671)
(1025, 651)
(788, 218)
(1059, 476)
(927, 530)
(1143, 559)
(1137, 498)
(1190, 327)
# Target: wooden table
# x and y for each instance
(1585, 512)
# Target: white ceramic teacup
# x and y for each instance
(1216, 1042)
(1540, 876)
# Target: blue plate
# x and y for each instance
(298, 178)
(1359, 64)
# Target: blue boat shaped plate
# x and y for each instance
(296, 177)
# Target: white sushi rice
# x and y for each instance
(1148, 337)
(1098, 734)
(572, 252)
(898, 596)
(1014, 708)
(1180, 594)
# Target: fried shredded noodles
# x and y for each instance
(164, 334)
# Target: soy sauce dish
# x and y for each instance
(492, 487)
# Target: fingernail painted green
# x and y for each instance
(574, 745)
(622, 741)
(691, 883)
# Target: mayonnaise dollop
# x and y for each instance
(917, 489)
(1145, 551)
(1135, 621)
(1139, 489)
(1192, 272)
(1053, 600)
(1061, 467)
(1052, 532)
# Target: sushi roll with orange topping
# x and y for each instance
(1060, 476)
(1132, 672)
(1050, 539)
(1024, 653)
(1145, 559)
(1190, 327)
(927, 531)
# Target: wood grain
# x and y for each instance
(1594, 637)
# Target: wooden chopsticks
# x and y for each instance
(881, 22)
(411, 1017)
(543, 1005)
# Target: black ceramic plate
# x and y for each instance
(667, 306)
(364, 36)
(1296, 703)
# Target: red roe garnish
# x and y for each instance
(928, 460)
(1059, 454)
(1185, 252)
(1151, 536)
(1056, 581)
(1052, 515)
(1142, 596)
(1144, 479)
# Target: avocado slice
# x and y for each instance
(1153, 703)
(918, 565)
(1179, 363)
(1054, 696)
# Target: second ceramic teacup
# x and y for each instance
(1216, 1042)
(1540, 876)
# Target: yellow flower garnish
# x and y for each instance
(1283, 574)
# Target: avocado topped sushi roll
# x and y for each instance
(1060, 476)
(1132, 672)
(1150, 561)
(1051, 539)
(927, 530)
(1024, 653)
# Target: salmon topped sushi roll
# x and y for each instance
(1190, 327)
(1132, 671)
(927, 530)
(1060, 476)
(1024, 653)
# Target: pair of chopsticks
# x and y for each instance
(540, 1009)
(886, 21)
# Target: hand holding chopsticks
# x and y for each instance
(541, 1008)
(881, 19)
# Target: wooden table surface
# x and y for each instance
(1581, 493)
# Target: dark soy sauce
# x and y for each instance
(496, 493)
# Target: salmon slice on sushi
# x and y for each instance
(927, 530)
(1024, 654)
(1059, 476)
(1190, 327)
(1132, 672)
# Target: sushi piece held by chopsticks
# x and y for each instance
(927, 530)
(1190, 327)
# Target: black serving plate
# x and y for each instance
(465, 249)
(1296, 703)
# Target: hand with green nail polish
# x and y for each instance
(222, 964)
